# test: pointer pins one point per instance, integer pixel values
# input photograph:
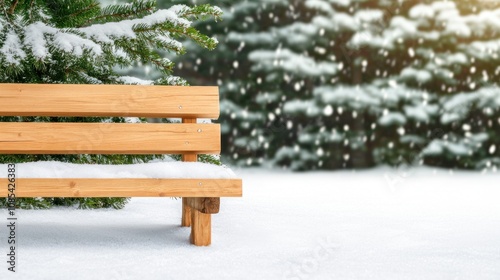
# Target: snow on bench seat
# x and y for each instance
(159, 169)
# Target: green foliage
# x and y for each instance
(80, 42)
(319, 84)
(82, 203)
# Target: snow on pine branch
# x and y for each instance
(39, 36)
(370, 28)
(104, 45)
(10, 49)
(288, 61)
(109, 32)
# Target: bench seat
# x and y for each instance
(154, 169)
(152, 179)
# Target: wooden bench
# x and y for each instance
(200, 196)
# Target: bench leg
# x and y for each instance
(186, 213)
(201, 228)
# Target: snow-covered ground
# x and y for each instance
(374, 224)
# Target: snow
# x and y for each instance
(369, 15)
(320, 6)
(344, 21)
(444, 13)
(482, 49)
(440, 6)
(406, 26)
(437, 147)
(38, 36)
(434, 148)
(392, 118)
(421, 11)
(479, 137)
(419, 113)
(448, 118)
(458, 106)
(412, 139)
(74, 44)
(375, 224)
(421, 76)
(106, 32)
(134, 81)
(300, 106)
(251, 38)
(291, 62)
(457, 149)
(34, 38)
(459, 28)
(365, 38)
(166, 168)
(355, 97)
(458, 58)
(10, 49)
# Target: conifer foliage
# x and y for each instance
(82, 42)
(329, 84)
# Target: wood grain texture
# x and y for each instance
(81, 187)
(206, 205)
(109, 100)
(186, 209)
(186, 213)
(201, 228)
(108, 138)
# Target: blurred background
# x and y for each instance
(344, 84)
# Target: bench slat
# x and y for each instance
(108, 138)
(80, 187)
(109, 100)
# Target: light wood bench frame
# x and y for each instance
(200, 197)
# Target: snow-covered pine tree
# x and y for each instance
(246, 130)
(81, 42)
(334, 84)
(306, 58)
(462, 58)
(358, 83)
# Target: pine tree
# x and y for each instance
(245, 125)
(412, 82)
(346, 84)
(80, 42)
(465, 67)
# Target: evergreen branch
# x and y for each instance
(114, 16)
(31, 9)
(202, 12)
(178, 31)
(13, 7)
(121, 12)
(88, 8)
(7, 17)
(125, 46)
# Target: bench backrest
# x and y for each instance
(187, 103)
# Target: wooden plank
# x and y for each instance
(109, 100)
(201, 228)
(206, 205)
(108, 138)
(186, 209)
(186, 213)
(82, 187)
(189, 157)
